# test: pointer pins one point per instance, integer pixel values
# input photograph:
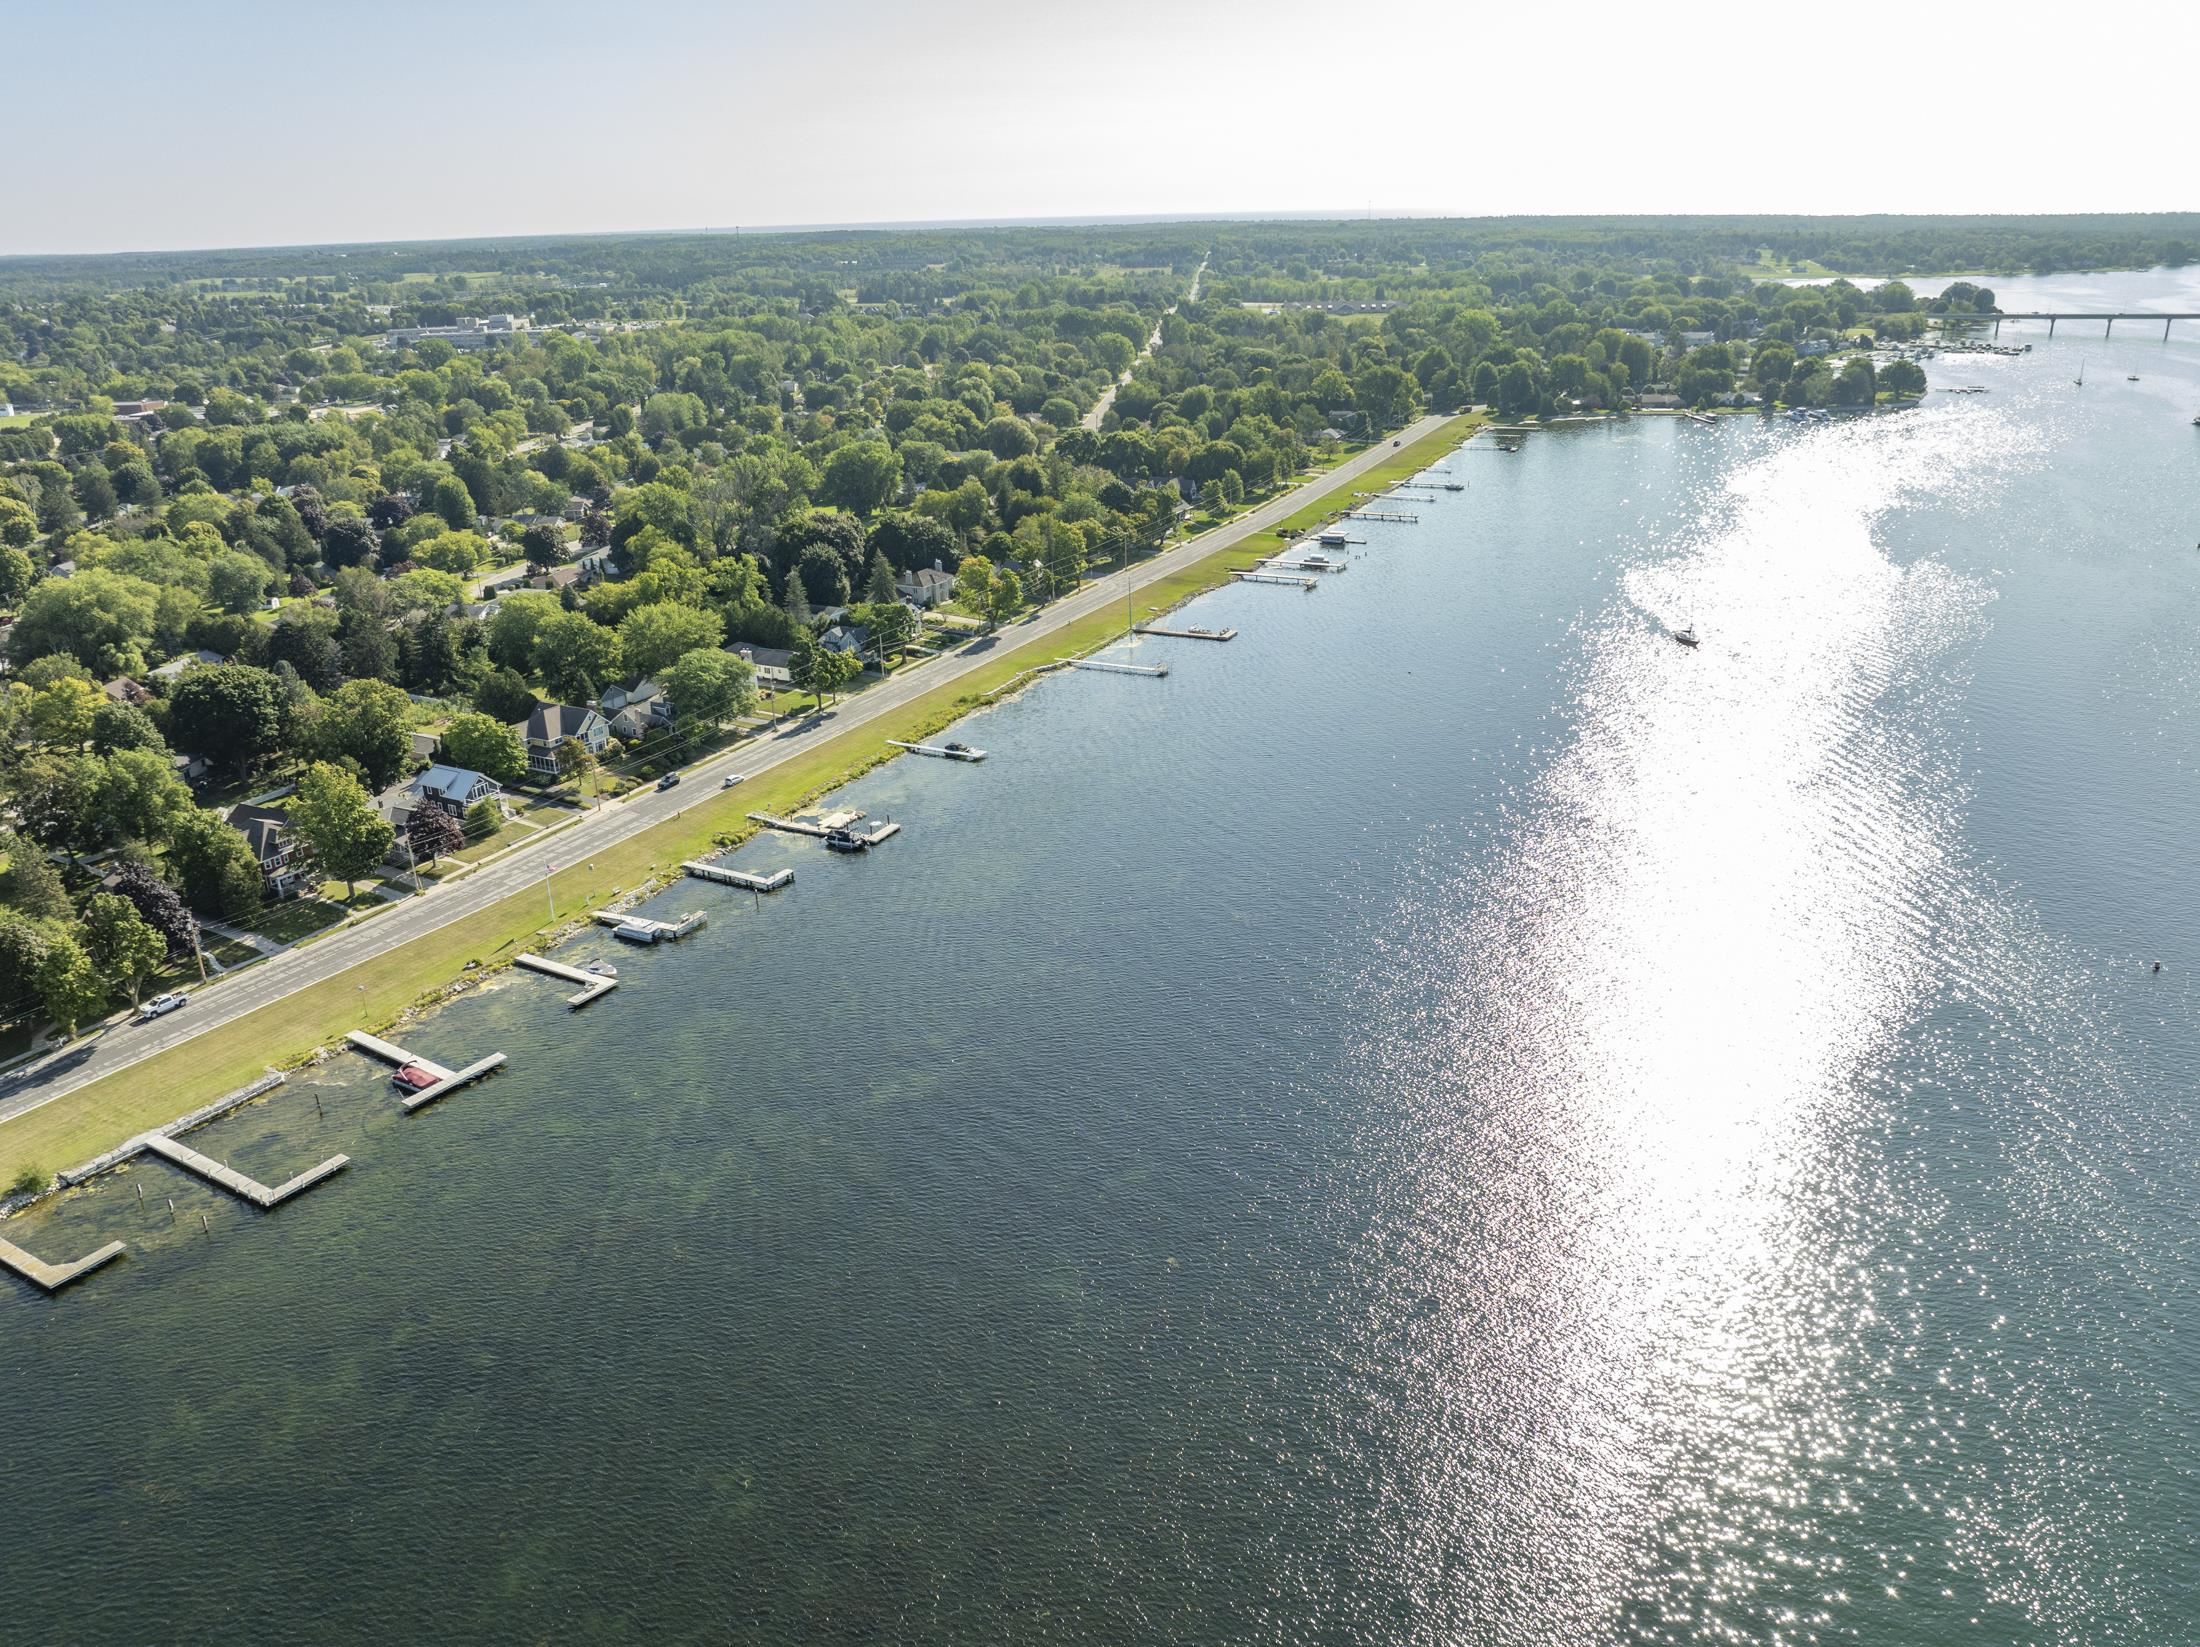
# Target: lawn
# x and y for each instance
(379, 989)
(294, 918)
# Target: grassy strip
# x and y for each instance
(378, 990)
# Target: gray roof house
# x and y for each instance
(551, 724)
(285, 859)
(927, 586)
(455, 788)
(635, 711)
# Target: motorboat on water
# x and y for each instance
(1455, 486)
(412, 1078)
(602, 969)
(844, 840)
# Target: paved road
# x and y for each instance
(530, 866)
(1091, 419)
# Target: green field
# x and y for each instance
(76, 1127)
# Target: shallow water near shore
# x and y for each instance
(1449, 1118)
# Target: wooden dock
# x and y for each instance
(846, 820)
(53, 1277)
(238, 1184)
(1277, 577)
(593, 984)
(1188, 634)
(939, 751)
(452, 1082)
(746, 879)
(446, 1080)
(391, 1053)
(1276, 563)
(1105, 667)
(642, 929)
(1384, 514)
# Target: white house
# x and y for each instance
(927, 586)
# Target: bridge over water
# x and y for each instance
(2107, 318)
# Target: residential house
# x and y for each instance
(926, 587)
(285, 858)
(551, 725)
(770, 664)
(576, 507)
(122, 689)
(187, 660)
(455, 788)
(638, 710)
(555, 578)
(851, 638)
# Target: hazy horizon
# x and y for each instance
(418, 123)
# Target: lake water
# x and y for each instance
(1450, 1119)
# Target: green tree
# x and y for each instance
(878, 585)
(122, 942)
(449, 498)
(576, 656)
(652, 637)
(230, 713)
(974, 583)
(519, 619)
(369, 722)
(504, 694)
(481, 743)
(238, 582)
(30, 883)
(1902, 377)
(69, 985)
(861, 477)
(818, 669)
(1004, 597)
(709, 687)
(139, 795)
(334, 814)
(103, 619)
(214, 866)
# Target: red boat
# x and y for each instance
(412, 1078)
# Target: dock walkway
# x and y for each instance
(643, 929)
(1105, 667)
(832, 820)
(1188, 634)
(938, 751)
(593, 984)
(1292, 578)
(749, 880)
(53, 1277)
(451, 1083)
(446, 1080)
(238, 1184)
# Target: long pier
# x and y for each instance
(1384, 514)
(939, 751)
(748, 880)
(1277, 577)
(452, 1082)
(1188, 634)
(1319, 564)
(593, 984)
(1109, 668)
(53, 1277)
(245, 1188)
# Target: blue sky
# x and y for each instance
(235, 122)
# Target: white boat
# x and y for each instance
(1687, 636)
